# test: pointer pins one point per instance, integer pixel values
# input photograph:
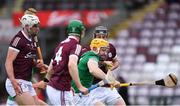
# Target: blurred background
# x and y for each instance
(146, 34)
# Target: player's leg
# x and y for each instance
(109, 96)
(25, 99)
(113, 97)
(22, 99)
(119, 102)
(53, 95)
(32, 92)
(38, 101)
(35, 97)
(88, 100)
(97, 93)
(57, 97)
(68, 97)
(11, 102)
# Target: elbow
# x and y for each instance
(91, 71)
(92, 68)
(6, 64)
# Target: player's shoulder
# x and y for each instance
(69, 44)
(70, 41)
(74, 41)
(19, 35)
(18, 40)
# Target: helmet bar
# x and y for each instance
(101, 32)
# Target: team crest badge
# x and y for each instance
(110, 55)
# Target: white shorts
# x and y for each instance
(57, 97)
(85, 100)
(26, 86)
(106, 95)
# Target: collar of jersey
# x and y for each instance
(25, 35)
(73, 37)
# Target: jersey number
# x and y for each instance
(58, 55)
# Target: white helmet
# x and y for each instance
(30, 20)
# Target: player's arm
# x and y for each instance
(40, 64)
(94, 69)
(73, 70)
(42, 84)
(11, 56)
(49, 71)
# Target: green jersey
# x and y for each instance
(85, 76)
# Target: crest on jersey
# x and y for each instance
(110, 55)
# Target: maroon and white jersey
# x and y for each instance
(23, 63)
(61, 78)
(112, 52)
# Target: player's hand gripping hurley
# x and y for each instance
(110, 80)
(168, 81)
(39, 53)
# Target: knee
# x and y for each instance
(120, 102)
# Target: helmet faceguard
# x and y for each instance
(101, 30)
(28, 21)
